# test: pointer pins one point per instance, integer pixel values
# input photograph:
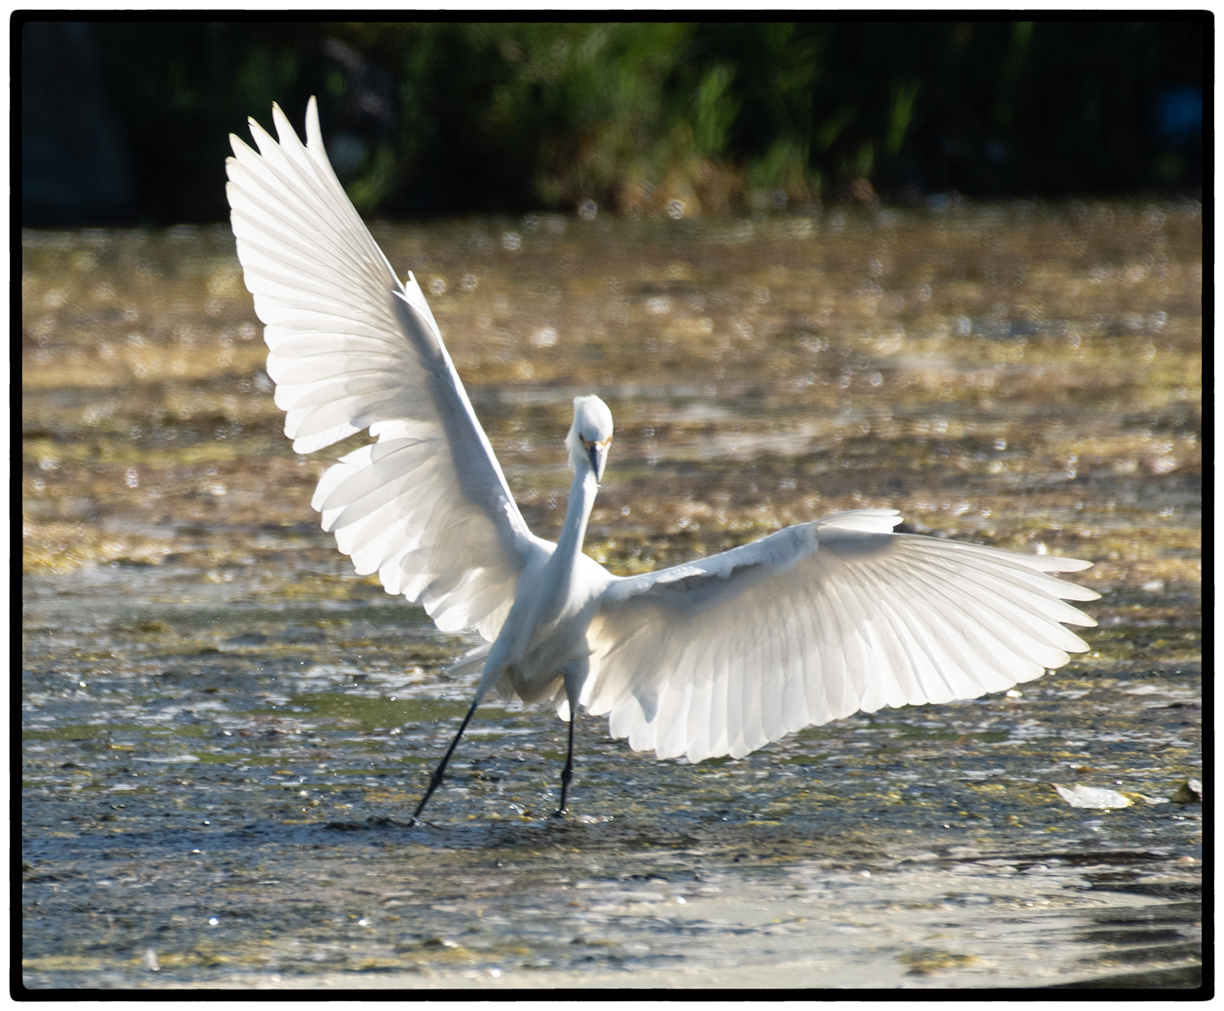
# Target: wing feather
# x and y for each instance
(753, 702)
(841, 649)
(818, 621)
(792, 704)
(351, 348)
(882, 639)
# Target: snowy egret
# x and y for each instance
(718, 656)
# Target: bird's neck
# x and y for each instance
(577, 512)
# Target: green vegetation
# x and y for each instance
(449, 118)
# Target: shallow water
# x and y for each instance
(222, 723)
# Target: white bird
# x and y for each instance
(718, 656)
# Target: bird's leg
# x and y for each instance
(436, 779)
(568, 772)
(575, 675)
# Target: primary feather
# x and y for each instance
(351, 348)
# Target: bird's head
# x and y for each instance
(590, 435)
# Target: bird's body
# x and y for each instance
(544, 638)
(717, 656)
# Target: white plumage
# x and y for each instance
(714, 657)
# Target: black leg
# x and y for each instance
(436, 780)
(568, 772)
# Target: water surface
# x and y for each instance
(224, 729)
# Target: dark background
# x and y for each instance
(128, 122)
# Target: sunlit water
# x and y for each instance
(224, 729)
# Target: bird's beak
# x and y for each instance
(597, 453)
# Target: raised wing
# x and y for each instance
(818, 621)
(427, 506)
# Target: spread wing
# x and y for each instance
(351, 347)
(723, 655)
